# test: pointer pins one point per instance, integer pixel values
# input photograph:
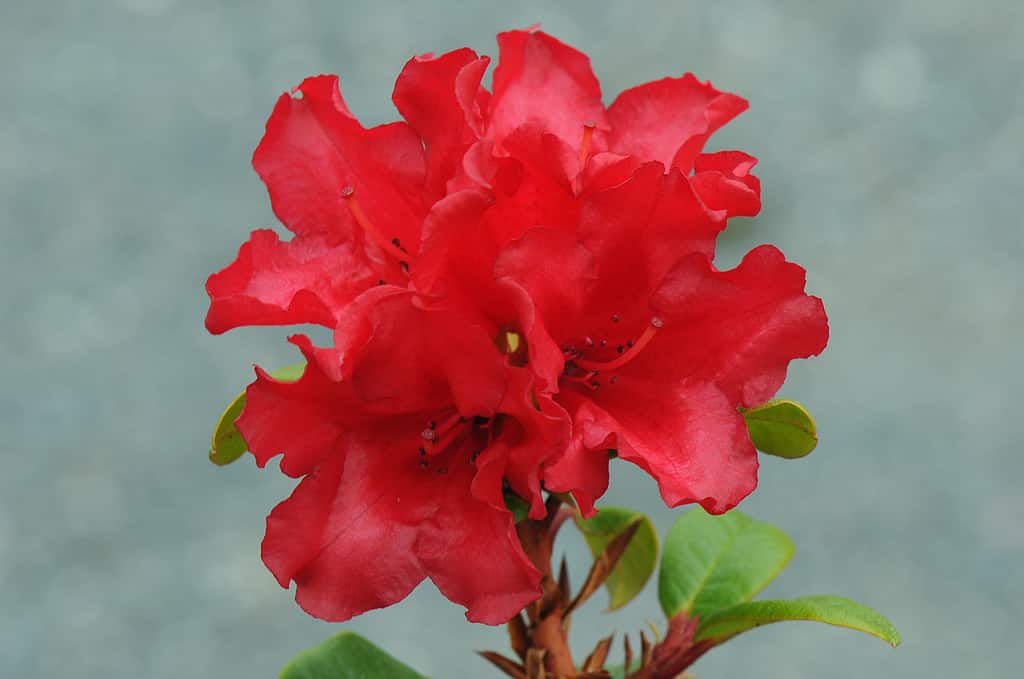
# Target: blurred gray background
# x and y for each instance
(890, 136)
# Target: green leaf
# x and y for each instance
(637, 562)
(519, 507)
(782, 428)
(228, 445)
(347, 656)
(831, 610)
(713, 562)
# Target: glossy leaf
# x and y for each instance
(831, 610)
(782, 428)
(227, 444)
(636, 564)
(712, 562)
(347, 656)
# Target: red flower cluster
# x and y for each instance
(519, 282)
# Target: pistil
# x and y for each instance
(588, 135)
(392, 247)
(626, 353)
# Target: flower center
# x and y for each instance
(513, 345)
(586, 370)
(392, 248)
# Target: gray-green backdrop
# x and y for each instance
(890, 136)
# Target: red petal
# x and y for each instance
(637, 232)
(541, 80)
(346, 536)
(583, 468)
(723, 182)
(669, 120)
(687, 435)
(302, 420)
(307, 280)
(457, 249)
(739, 328)
(314, 147)
(465, 231)
(403, 357)
(607, 170)
(370, 523)
(534, 436)
(473, 554)
(440, 98)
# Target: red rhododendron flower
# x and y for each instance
(517, 282)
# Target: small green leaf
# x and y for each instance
(782, 428)
(637, 562)
(347, 656)
(228, 445)
(519, 507)
(831, 610)
(713, 562)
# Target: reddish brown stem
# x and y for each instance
(546, 630)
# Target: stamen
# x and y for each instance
(625, 355)
(588, 135)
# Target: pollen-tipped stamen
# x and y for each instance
(627, 355)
